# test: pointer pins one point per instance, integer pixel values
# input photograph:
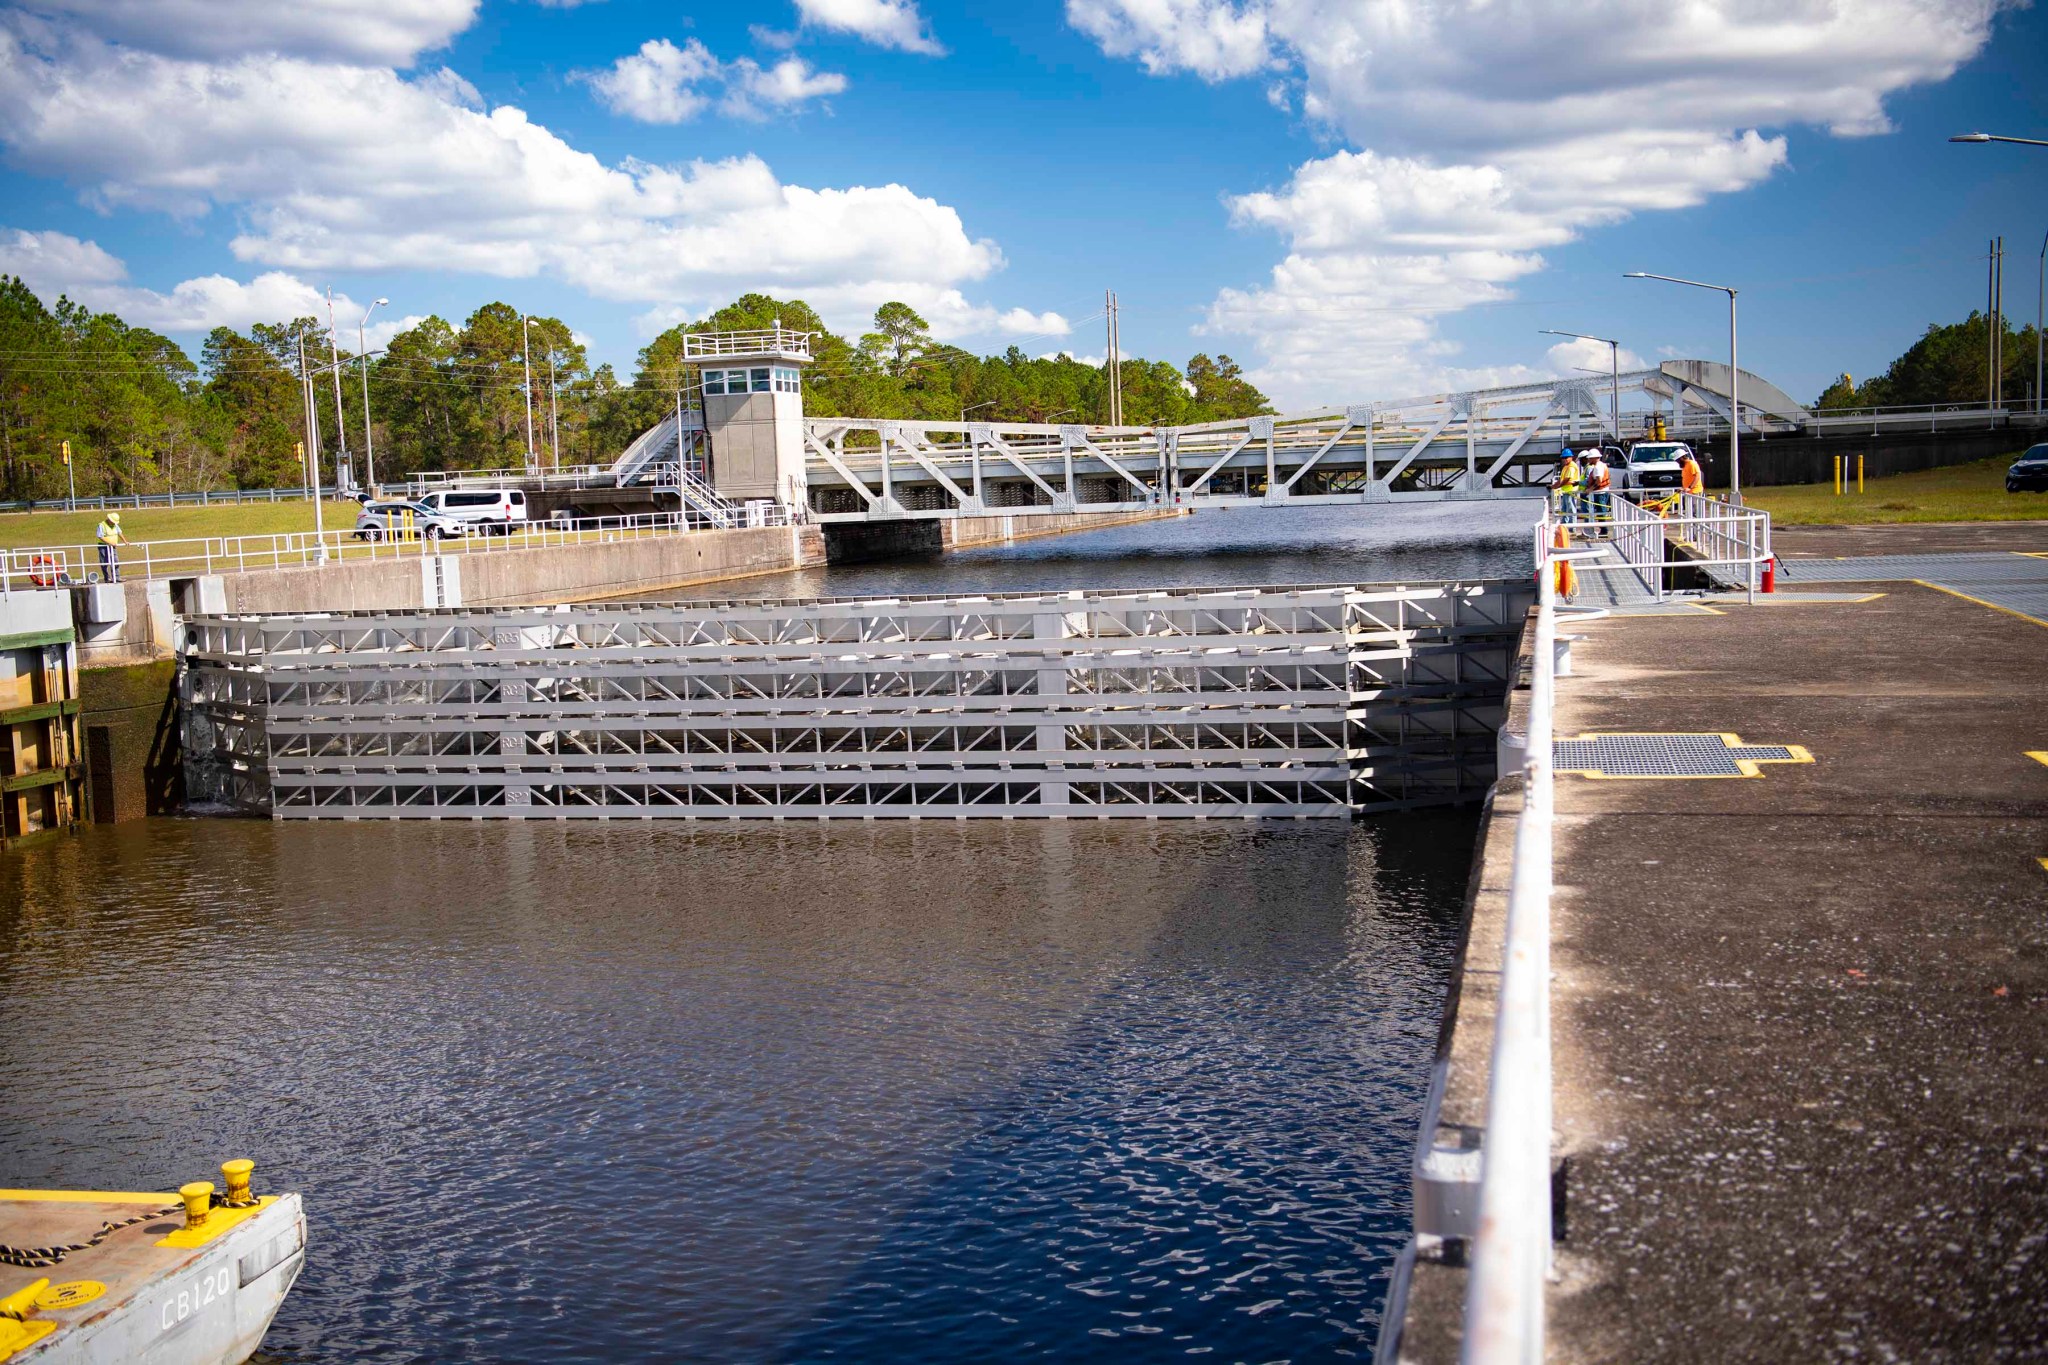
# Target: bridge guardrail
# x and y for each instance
(45, 566)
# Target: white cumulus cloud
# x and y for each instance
(1481, 135)
(386, 31)
(885, 23)
(657, 84)
(53, 263)
(754, 91)
(328, 166)
(663, 83)
(1214, 39)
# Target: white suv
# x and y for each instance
(496, 510)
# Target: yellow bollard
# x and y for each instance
(16, 1331)
(1859, 473)
(235, 1175)
(198, 1197)
(21, 1302)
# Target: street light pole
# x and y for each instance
(2043, 285)
(334, 358)
(363, 360)
(1994, 137)
(1734, 379)
(1614, 371)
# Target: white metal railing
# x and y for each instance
(1504, 1309)
(1723, 535)
(764, 341)
(46, 566)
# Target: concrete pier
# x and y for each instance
(1800, 1019)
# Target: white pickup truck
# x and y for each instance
(1653, 466)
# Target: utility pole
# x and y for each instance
(2040, 293)
(1998, 329)
(554, 415)
(526, 360)
(313, 453)
(1116, 359)
(340, 423)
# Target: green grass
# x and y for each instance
(1964, 492)
(20, 530)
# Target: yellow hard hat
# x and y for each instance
(114, 517)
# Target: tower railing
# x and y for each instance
(764, 341)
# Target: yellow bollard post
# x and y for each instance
(235, 1175)
(198, 1197)
(1859, 473)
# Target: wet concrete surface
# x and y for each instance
(1801, 1020)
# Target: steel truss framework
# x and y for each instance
(1250, 702)
(1487, 443)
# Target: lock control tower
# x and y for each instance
(753, 410)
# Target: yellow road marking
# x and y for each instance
(1981, 602)
(2038, 755)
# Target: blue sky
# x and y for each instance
(1357, 198)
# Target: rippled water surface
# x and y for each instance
(871, 1092)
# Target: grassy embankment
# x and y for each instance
(1964, 492)
(19, 530)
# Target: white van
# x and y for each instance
(499, 509)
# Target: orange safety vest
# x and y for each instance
(1689, 476)
(1597, 471)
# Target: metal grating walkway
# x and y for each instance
(2008, 579)
(1669, 755)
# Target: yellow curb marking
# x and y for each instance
(1981, 602)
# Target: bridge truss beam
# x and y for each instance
(1486, 443)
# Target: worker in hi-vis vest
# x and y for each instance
(108, 533)
(1689, 479)
(1599, 479)
(1570, 483)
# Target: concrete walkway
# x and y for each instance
(1802, 1019)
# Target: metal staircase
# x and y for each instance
(670, 454)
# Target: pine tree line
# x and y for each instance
(141, 417)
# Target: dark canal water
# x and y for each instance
(848, 1092)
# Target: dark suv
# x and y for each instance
(2030, 470)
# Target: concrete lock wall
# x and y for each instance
(862, 542)
(1767, 462)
